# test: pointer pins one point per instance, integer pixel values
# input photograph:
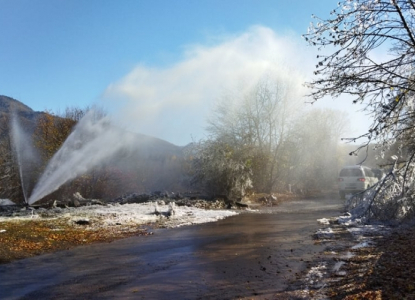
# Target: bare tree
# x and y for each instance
(258, 122)
(370, 47)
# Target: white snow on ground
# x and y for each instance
(325, 233)
(316, 273)
(364, 244)
(348, 255)
(362, 237)
(348, 220)
(324, 221)
(314, 279)
(366, 229)
(129, 214)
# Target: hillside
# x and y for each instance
(27, 117)
(8, 106)
(148, 164)
(151, 145)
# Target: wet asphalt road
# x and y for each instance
(252, 255)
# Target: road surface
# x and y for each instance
(251, 255)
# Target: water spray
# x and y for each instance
(24, 153)
(93, 141)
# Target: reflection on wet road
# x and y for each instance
(254, 254)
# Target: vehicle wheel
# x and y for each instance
(342, 195)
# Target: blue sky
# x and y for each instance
(56, 54)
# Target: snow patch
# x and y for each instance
(364, 244)
(324, 221)
(347, 256)
(129, 215)
(315, 275)
(325, 233)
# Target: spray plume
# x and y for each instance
(25, 154)
(93, 141)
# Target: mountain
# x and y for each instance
(27, 117)
(151, 163)
(8, 106)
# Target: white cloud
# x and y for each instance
(172, 103)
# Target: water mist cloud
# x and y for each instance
(173, 103)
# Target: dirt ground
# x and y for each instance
(376, 265)
(385, 270)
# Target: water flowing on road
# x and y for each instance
(254, 254)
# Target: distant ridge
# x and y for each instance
(27, 116)
(9, 105)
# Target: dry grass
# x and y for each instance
(25, 238)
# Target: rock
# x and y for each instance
(83, 222)
(221, 197)
(178, 196)
(241, 205)
(135, 198)
(97, 202)
(78, 196)
(57, 210)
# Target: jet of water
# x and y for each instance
(92, 142)
(25, 153)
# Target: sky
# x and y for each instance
(158, 66)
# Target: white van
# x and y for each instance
(355, 179)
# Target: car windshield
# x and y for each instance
(351, 173)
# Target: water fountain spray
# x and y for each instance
(93, 141)
(25, 154)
